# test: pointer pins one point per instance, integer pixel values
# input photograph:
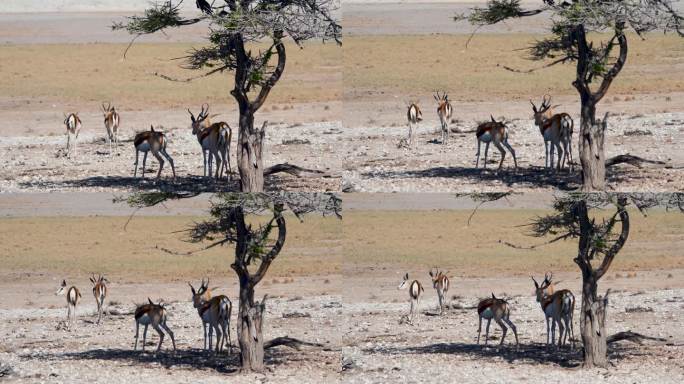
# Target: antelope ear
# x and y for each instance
(150, 300)
(406, 276)
(492, 117)
(63, 283)
(151, 128)
(493, 297)
(92, 280)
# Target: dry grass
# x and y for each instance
(414, 65)
(81, 245)
(79, 73)
(427, 238)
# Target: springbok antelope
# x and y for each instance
(151, 141)
(100, 293)
(111, 122)
(155, 315)
(214, 311)
(73, 295)
(493, 132)
(558, 306)
(215, 139)
(440, 282)
(73, 127)
(415, 289)
(499, 310)
(557, 130)
(444, 112)
(414, 116)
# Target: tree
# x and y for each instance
(233, 26)
(599, 244)
(596, 64)
(256, 247)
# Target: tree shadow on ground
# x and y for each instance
(181, 358)
(522, 177)
(189, 358)
(536, 353)
(183, 183)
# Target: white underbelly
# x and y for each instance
(145, 319)
(486, 137)
(487, 313)
(143, 147)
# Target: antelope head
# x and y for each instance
(201, 117)
(544, 289)
(441, 99)
(435, 274)
(403, 284)
(201, 295)
(544, 111)
(62, 288)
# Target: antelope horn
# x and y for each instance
(535, 282)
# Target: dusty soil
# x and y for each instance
(351, 298)
(38, 252)
(377, 348)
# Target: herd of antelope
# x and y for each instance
(214, 139)
(556, 130)
(558, 307)
(213, 311)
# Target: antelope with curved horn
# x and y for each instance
(155, 142)
(414, 116)
(100, 293)
(415, 289)
(216, 312)
(444, 111)
(214, 139)
(556, 129)
(73, 295)
(558, 306)
(156, 316)
(493, 132)
(73, 127)
(440, 282)
(111, 122)
(499, 310)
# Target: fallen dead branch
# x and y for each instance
(293, 170)
(633, 337)
(632, 160)
(289, 342)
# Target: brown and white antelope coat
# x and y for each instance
(214, 311)
(440, 282)
(559, 306)
(73, 296)
(414, 116)
(100, 293)
(557, 130)
(155, 142)
(499, 310)
(111, 122)
(215, 139)
(493, 132)
(444, 111)
(73, 127)
(156, 316)
(415, 289)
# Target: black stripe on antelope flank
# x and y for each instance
(144, 309)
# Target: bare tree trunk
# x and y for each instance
(592, 324)
(249, 330)
(592, 155)
(249, 153)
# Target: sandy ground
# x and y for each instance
(348, 304)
